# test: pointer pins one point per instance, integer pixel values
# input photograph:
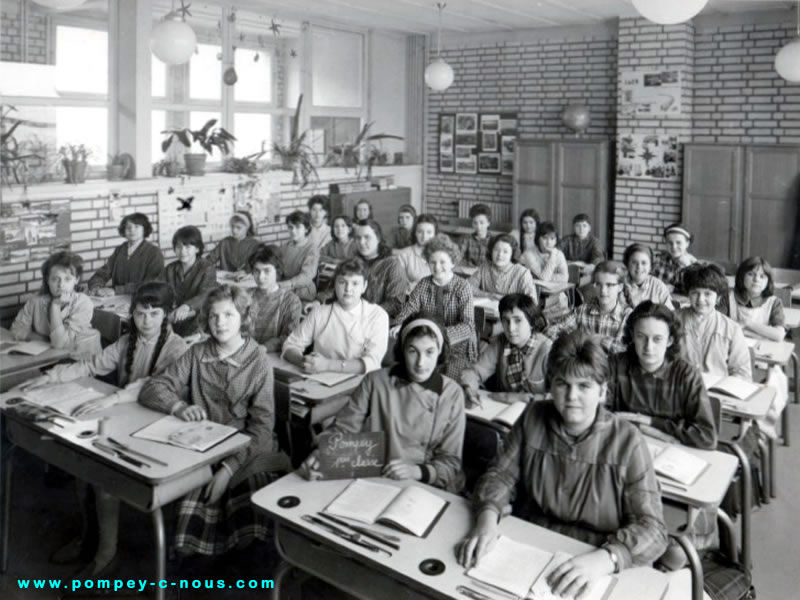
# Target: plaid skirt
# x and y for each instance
(232, 522)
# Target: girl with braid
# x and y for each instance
(148, 350)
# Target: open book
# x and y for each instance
(329, 378)
(735, 387)
(676, 464)
(62, 397)
(412, 509)
(499, 412)
(31, 348)
(191, 435)
(522, 570)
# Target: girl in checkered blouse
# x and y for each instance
(450, 298)
(753, 303)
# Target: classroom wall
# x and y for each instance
(17, 43)
(536, 75)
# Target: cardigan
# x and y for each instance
(191, 287)
(231, 254)
(320, 236)
(516, 279)
(599, 487)
(337, 251)
(300, 263)
(651, 288)
(493, 360)
(34, 317)
(424, 422)
(127, 272)
(275, 315)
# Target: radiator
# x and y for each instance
(501, 211)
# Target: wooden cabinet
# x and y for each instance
(562, 178)
(384, 205)
(741, 201)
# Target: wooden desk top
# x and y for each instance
(312, 392)
(14, 363)
(711, 485)
(451, 528)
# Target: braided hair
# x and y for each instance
(152, 294)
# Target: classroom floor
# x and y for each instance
(45, 517)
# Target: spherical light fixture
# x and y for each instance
(60, 4)
(787, 61)
(172, 40)
(438, 74)
(669, 12)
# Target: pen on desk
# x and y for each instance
(378, 537)
(130, 450)
(473, 594)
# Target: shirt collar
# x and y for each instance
(210, 354)
(616, 312)
(601, 421)
(434, 383)
(526, 349)
(659, 373)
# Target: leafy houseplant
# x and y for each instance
(360, 152)
(208, 138)
(12, 158)
(246, 165)
(119, 167)
(297, 156)
(74, 160)
(169, 167)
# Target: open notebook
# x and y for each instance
(31, 348)
(412, 509)
(674, 464)
(62, 397)
(735, 387)
(191, 435)
(522, 570)
(499, 412)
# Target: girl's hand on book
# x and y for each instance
(214, 489)
(472, 397)
(316, 363)
(191, 413)
(91, 406)
(32, 384)
(102, 292)
(400, 469)
(574, 578)
(181, 313)
(479, 541)
(310, 467)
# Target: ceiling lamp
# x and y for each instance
(669, 12)
(60, 4)
(172, 40)
(438, 74)
(787, 61)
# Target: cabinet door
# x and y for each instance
(712, 201)
(770, 202)
(582, 186)
(533, 178)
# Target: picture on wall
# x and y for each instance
(446, 142)
(477, 143)
(467, 165)
(33, 231)
(651, 93)
(490, 123)
(645, 156)
(489, 141)
(489, 162)
(466, 122)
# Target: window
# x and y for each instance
(205, 76)
(337, 68)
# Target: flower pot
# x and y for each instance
(116, 172)
(74, 170)
(195, 163)
(172, 169)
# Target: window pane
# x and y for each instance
(158, 123)
(255, 76)
(81, 60)
(205, 75)
(327, 132)
(158, 78)
(35, 135)
(251, 131)
(336, 60)
(84, 125)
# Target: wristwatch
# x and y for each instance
(342, 365)
(614, 558)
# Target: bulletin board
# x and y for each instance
(477, 143)
(211, 211)
(32, 231)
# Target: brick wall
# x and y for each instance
(739, 98)
(643, 207)
(536, 79)
(21, 19)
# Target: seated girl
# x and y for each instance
(572, 466)
(131, 263)
(753, 303)
(412, 258)
(229, 380)
(639, 284)
(400, 236)
(526, 234)
(668, 266)
(516, 358)
(148, 350)
(299, 258)
(714, 343)
(232, 252)
(349, 334)
(276, 312)
(547, 263)
(320, 232)
(59, 313)
(386, 281)
(420, 410)
(342, 245)
(191, 277)
(449, 297)
(501, 274)
(362, 211)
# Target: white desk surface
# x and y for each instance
(312, 392)
(711, 485)
(14, 363)
(226, 277)
(119, 305)
(755, 407)
(451, 528)
(791, 316)
(774, 353)
(552, 287)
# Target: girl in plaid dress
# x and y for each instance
(229, 380)
(450, 298)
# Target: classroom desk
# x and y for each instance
(226, 277)
(791, 317)
(465, 271)
(780, 354)
(312, 392)
(146, 489)
(369, 575)
(16, 368)
(111, 316)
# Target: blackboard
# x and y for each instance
(349, 455)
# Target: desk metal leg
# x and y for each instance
(796, 364)
(7, 464)
(161, 551)
(745, 499)
(772, 476)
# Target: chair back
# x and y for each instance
(480, 322)
(283, 413)
(574, 273)
(482, 442)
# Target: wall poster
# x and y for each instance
(477, 143)
(647, 156)
(32, 231)
(651, 93)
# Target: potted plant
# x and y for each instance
(208, 137)
(74, 160)
(119, 166)
(12, 157)
(246, 165)
(359, 152)
(168, 167)
(297, 156)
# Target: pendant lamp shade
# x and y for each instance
(172, 40)
(787, 61)
(60, 4)
(669, 12)
(439, 75)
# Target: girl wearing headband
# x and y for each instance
(420, 411)
(231, 253)
(668, 266)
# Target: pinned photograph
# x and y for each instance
(489, 142)
(490, 122)
(466, 122)
(463, 151)
(508, 144)
(446, 124)
(467, 165)
(489, 163)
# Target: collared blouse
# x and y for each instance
(34, 317)
(127, 272)
(515, 279)
(715, 344)
(231, 254)
(300, 264)
(275, 316)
